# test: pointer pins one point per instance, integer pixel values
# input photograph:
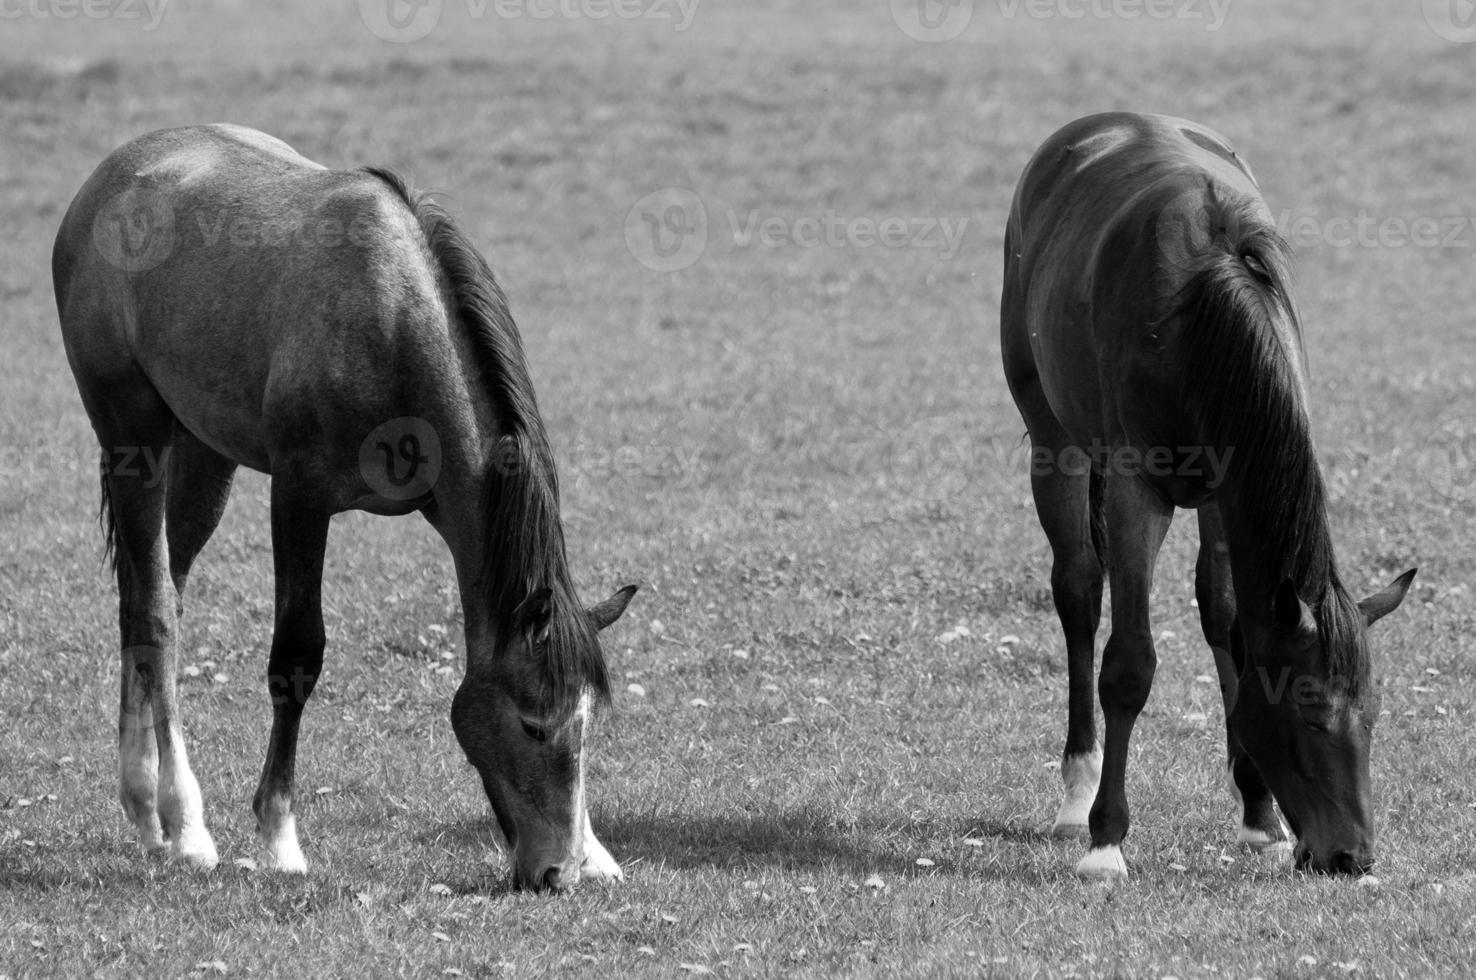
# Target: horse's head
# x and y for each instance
(526, 739)
(1305, 713)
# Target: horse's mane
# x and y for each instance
(525, 539)
(1245, 393)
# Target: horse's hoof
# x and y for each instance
(283, 860)
(195, 850)
(1261, 843)
(1103, 864)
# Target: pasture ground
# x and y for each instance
(807, 456)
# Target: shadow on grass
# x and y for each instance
(794, 840)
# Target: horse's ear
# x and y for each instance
(1381, 604)
(1290, 613)
(533, 613)
(608, 611)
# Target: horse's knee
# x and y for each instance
(1076, 586)
(297, 657)
(1128, 665)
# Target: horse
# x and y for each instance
(1153, 349)
(226, 302)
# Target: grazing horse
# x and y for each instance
(1153, 349)
(226, 302)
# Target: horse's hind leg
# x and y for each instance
(1260, 827)
(299, 538)
(1061, 484)
(157, 788)
(198, 488)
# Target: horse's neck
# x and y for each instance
(1277, 528)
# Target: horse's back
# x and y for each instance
(240, 279)
(1089, 263)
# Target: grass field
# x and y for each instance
(804, 450)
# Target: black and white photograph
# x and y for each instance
(737, 488)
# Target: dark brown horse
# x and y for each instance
(227, 302)
(1154, 351)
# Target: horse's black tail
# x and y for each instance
(105, 519)
(1097, 515)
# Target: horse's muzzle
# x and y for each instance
(1340, 863)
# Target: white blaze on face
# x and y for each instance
(576, 817)
(1088, 151)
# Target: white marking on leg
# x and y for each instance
(1103, 862)
(1081, 775)
(1098, 145)
(138, 775)
(180, 806)
(277, 830)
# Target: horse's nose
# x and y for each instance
(557, 878)
(1348, 863)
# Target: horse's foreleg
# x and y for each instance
(1063, 506)
(299, 537)
(1137, 519)
(1260, 829)
(157, 788)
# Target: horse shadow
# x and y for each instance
(794, 840)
